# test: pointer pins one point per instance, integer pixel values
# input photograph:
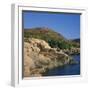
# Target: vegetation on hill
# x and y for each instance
(55, 40)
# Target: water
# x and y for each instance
(66, 70)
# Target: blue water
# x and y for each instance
(66, 70)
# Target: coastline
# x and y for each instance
(65, 70)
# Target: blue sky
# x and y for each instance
(65, 23)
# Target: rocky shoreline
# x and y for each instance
(39, 57)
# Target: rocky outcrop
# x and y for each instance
(39, 56)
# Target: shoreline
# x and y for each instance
(61, 67)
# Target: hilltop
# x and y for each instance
(43, 33)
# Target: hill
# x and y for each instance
(77, 40)
(43, 33)
(55, 40)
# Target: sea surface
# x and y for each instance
(66, 70)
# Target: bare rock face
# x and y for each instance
(39, 56)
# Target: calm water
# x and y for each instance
(66, 70)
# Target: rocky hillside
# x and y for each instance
(39, 57)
